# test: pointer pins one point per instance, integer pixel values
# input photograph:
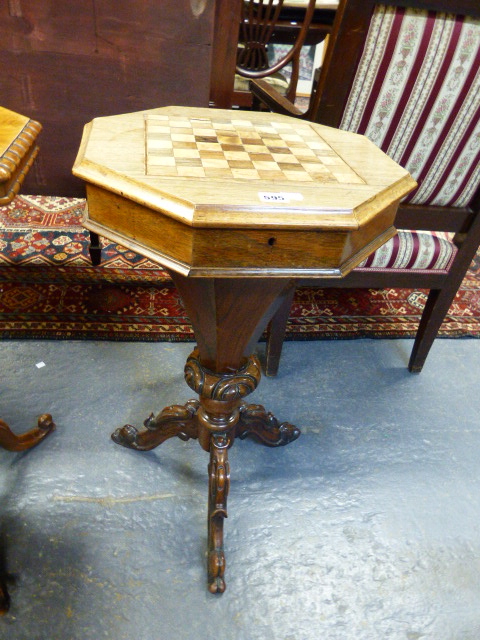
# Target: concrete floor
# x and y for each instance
(366, 528)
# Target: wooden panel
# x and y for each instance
(64, 63)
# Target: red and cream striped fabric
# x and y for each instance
(417, 250)
(416, 94)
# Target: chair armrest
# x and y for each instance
(265, 94)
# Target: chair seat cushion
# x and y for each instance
(413, 250)
(276, 80)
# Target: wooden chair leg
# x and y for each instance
(276, 335)
(95, 249)
(436, 308)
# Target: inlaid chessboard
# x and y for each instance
(231, 147)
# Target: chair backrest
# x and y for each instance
(260, 19)
(406, 73)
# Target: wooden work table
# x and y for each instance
(235, 206)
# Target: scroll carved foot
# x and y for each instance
(12, 442)
(219, 483)
(176, 420)
(255, 421)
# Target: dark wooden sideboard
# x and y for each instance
(64, 63)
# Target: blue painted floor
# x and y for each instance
(366, 528)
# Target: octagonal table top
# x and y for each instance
(219, 168)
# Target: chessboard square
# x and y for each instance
(252, 140)
(212, 154)
(201, 123)
(245, 174)
(204, 127)
(278, 148)
(209, 147)
(191, 172)
(215, 163)
(180, 123)
(285, 157)
(312, 161)
(182, 129)
(265, 166)
(186, 153)
(281, 150)
(205, 138)
(217, 172)
(253, 149)
(324, 177)
(238, 122)
(293, 137)
(183, 137)
(236, 148)
(229, 139)
(268, 131)
(297, 147)
(225, 131)
(240, 164)
(318, 167)
(184, 145)
(290, 166)
(298, 176)
(265, 174)
(191, 162)
(237, 155)
(306, 154)
(262, 157)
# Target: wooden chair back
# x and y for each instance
(260, 19)
(407, 75)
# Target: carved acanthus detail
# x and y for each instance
(222, 386)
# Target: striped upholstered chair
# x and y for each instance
(407, 75)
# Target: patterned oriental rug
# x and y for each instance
(49, 290)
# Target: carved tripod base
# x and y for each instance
(215, 420)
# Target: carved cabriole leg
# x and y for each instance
(218, 487)
(12, 442)
(264, 427)
(176, 420)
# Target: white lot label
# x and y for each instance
(278, 196)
